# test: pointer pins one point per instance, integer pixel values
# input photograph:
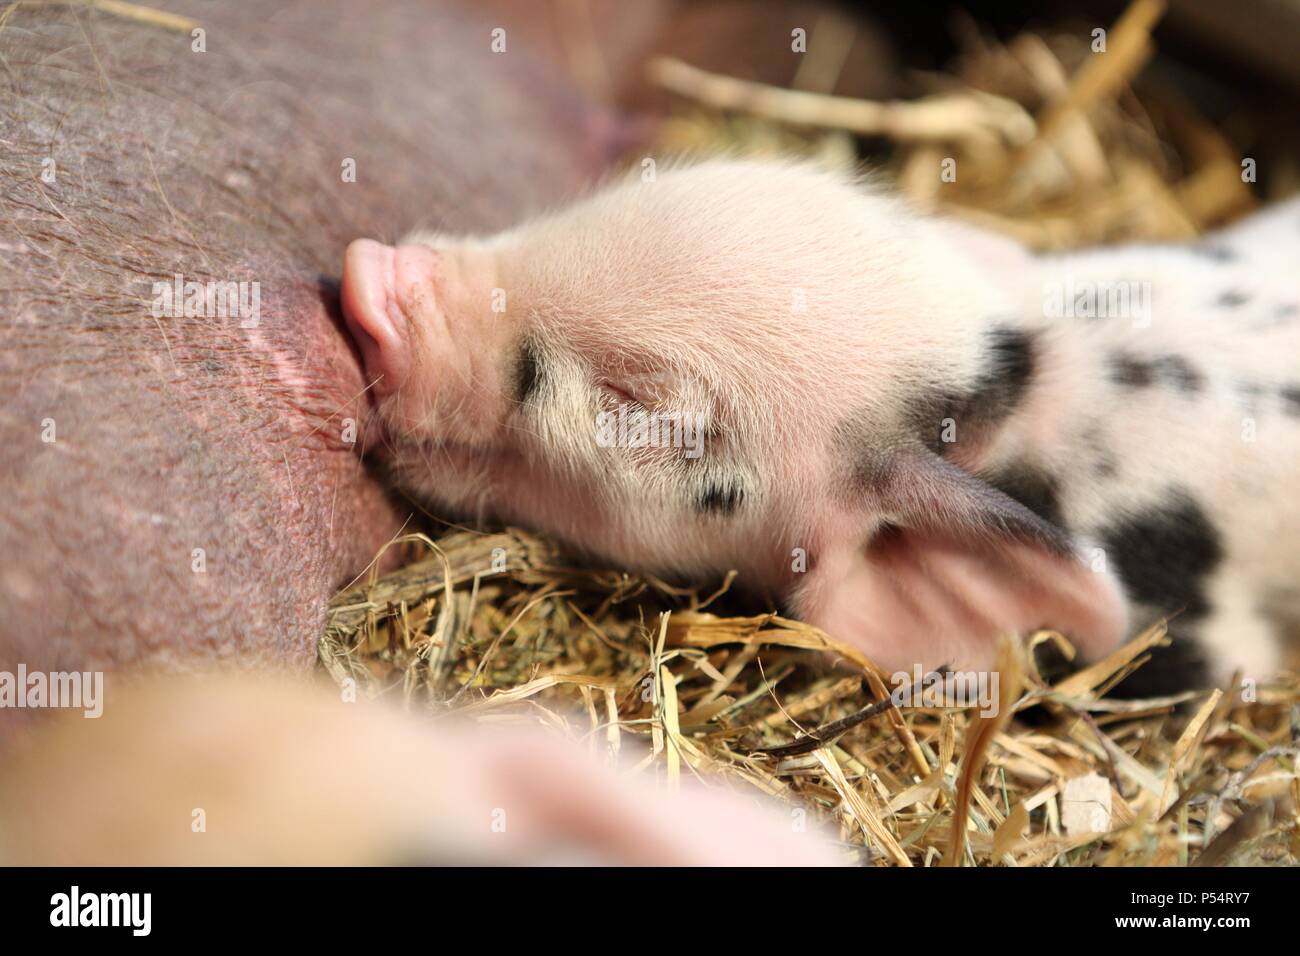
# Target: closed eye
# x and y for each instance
(621, 396)
(528, 373)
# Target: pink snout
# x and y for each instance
(380, 285)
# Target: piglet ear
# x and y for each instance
(956, 565)
(925, 492)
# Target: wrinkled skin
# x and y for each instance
(175, 434)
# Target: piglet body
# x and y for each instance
(920, 435)
(1169, 434)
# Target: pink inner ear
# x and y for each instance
(920, 597)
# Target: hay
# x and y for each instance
(499, 627)
(1053, 147)
(119, 8)
(1045, 139)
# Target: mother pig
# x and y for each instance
(179, 472)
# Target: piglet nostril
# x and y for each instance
(370, 306)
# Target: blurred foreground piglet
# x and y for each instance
(238, 771)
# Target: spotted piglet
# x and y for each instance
(921, 436)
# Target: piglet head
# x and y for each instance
(728, 365)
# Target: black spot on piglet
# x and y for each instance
(1007, 369)
(719, 498)
(1132, 372)
(1164, 556)
(1172, 670)
(1033, 488)
(1291, 400)
(1179, 371)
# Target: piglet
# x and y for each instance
(919, 435)
(240, 769)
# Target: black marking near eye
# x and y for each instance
(720, 498)
(1291, 400)
(1232, 298)
(1133, 372)
(1032, 487)
(528, 373)
(1008, 368)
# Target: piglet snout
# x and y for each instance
(380, 284)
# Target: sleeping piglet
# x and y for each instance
(919, 436)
